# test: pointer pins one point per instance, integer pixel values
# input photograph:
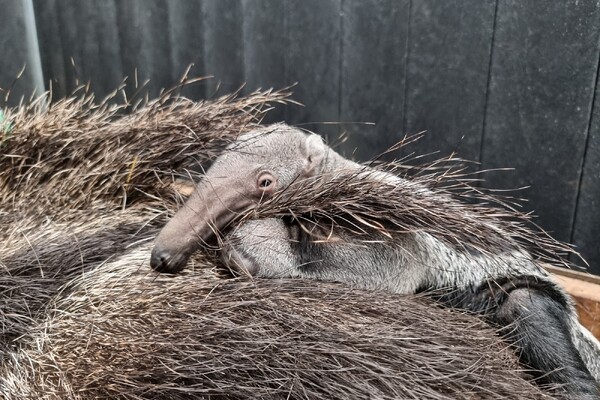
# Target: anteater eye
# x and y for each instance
(265, 182)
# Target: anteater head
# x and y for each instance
(258, 165)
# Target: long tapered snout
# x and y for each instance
(209, 209)
(250, 170)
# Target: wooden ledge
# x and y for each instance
(585, 289)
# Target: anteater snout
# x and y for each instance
(162, 260)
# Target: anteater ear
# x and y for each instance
(314, 151)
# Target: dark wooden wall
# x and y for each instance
(507, 83)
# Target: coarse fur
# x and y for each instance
(119, 331)
(494, 275)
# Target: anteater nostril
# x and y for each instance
(164, 261)
(159, 260)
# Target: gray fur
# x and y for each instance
(274, 248)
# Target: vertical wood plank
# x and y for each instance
(586, 230)
(542, 81)
(83, 33)
(18, 41)
(223, 46)
(186, 39)
(264, 46)
(373, 74)
(448, 66)
(145, 46)
(313, 61)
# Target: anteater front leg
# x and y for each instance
(261, 248)
(278, 248)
